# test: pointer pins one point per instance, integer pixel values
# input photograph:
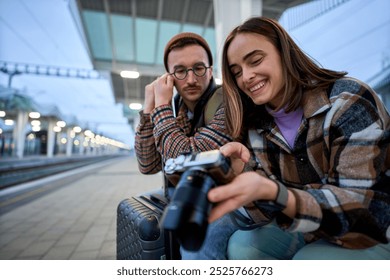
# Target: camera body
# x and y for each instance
(186, 216)
(212, 161)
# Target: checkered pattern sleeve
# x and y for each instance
(149, 159)
(171, 134)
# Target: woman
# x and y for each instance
(320, 144)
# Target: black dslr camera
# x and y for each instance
(187, 213)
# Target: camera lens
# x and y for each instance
(188, 211)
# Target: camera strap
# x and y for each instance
(244, 222)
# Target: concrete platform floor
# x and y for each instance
(77, 220)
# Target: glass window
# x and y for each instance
(122, 32)
(146, 31)
(98, 34)
(167, 31)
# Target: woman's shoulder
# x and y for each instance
(353, 87)
(348, 84)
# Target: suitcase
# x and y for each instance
(139, 236)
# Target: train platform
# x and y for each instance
(76, 219)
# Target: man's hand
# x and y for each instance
(163, 90)
(149, 98)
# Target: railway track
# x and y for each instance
(24, 181)
(20, 172)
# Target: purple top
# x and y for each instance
(288, 123)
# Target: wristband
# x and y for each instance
(272, 208)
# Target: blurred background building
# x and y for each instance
(73, 72)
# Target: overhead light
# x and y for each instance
(61, 123)
(77, 129)
(34, 115)
(135, 106)
(35, 123)
(2, 114)
(130, 74)
(89, 133)
(9, 122)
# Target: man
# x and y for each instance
(161, 134)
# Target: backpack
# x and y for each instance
(212, 105)
(210, 109)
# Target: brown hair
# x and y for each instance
(299, 71)
(185, 39)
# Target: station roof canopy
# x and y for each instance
(69, 53)
(131, 34)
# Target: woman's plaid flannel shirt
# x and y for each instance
(340, 153)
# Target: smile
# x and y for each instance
(256, 87)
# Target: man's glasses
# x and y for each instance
(199, 70)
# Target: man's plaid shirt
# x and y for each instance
(161, 133)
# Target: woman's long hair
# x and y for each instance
(299, 72)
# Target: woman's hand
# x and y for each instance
(238, 154)
(243, 190)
